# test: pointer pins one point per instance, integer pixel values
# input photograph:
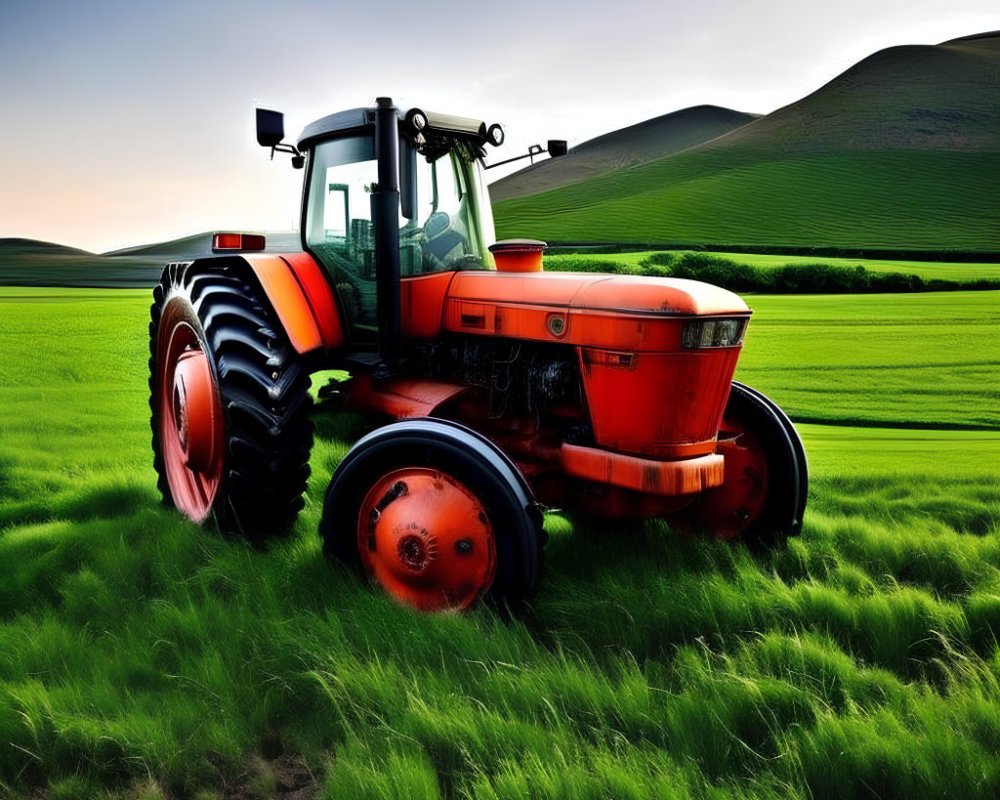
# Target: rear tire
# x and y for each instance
(381, 495)
(248, 467)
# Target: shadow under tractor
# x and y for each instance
(504, 389)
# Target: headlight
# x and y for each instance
(495, 135)
(713, 333)
(417, 118)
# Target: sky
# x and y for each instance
(126, 122)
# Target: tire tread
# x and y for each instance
(265, 398)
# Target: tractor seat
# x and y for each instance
(444, 240)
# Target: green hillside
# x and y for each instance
(32, 248)
(200, 244)
(900, 151)
(636, 144)
(28, 262)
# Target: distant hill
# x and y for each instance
(636, 144)
(29, 262)
(200, 244)
(187, 246)
(900, 151)
(34, 247)
(917, 97)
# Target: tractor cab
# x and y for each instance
(444, 220)
(439, 220)
(390, 195)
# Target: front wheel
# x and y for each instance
(230, 405)
(763, 498)
(436, 515)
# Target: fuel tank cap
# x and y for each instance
(518, 255)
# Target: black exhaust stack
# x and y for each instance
(385, 213)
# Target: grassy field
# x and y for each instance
(141, 657)
(928, 270)
(922, 360)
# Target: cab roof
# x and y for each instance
(340, 122)
(359, 118)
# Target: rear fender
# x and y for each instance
(297, 291)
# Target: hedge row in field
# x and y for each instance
(788, 279)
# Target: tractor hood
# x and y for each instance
(582, 309)
(622, 294)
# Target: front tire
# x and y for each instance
(230, 405)
(763, 498)
(436, 514)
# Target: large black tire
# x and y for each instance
(456, 451)
(263, 391)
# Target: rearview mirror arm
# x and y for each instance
(534, 150)
(297, 158)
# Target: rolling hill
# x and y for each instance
(900, 151)
(32, 248)
(636, 144)
(29, 262)
(200, 244)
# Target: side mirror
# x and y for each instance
(270, 127)
(557, 147)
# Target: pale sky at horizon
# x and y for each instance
(127, 122)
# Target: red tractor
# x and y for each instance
(506, 389)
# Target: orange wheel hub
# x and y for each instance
(195, 409)
(191, 424)
(731, 508)
(427, 539)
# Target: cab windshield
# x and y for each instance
(444, 223)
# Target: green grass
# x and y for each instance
(912, 199)
(143, 657)
(922, 360)
(928, 270)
